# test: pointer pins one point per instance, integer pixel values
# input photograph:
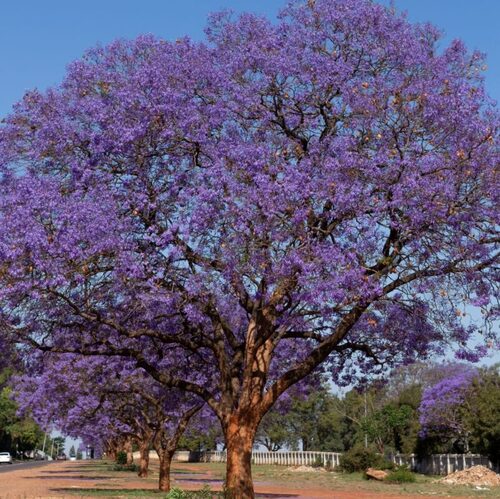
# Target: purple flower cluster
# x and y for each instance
(442, 403)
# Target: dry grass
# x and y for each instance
(212, 474)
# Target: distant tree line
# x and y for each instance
(422, 409)
(19, 433)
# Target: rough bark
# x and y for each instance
(112, 447)
(165, 458)
(111, 452)
(240, 436)
(128, 450)
(165, 446)
(144, 461)
(240, 425)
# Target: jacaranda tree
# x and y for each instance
(316, 191)
(110, 401)
(484, 414)
(443, 407)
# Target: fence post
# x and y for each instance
(436, 464)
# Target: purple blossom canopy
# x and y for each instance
(442, 404)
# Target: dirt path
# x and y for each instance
(55, 479)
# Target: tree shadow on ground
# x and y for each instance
(275, 496)
(91, 492)
(201, 480)
(95, 492)
(68, 477)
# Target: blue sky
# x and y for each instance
(39, 38)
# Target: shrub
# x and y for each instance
(359, 459)
(318, 462)
(176, 493)
(204, 493)
(121, 457)
(125, 467)
(401, 475)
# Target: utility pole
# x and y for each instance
(44, 441)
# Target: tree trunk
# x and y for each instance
(165, 463)
(466, 443)
(165, 446)
(144, 462)
(111, 448)
(305, 443)
(111, 453)
(240, 435)
(128, 450)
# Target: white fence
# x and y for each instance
(437, 464)
(180, 456)
(282, 458)
(295, 458)
(442, 464)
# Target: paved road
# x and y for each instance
(23, 465)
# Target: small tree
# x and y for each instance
(482, 414)
(314, 423)
(72, 451)
(274, 431)
(203, 434)
(59, 444)
(443, 409)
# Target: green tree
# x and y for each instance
(17, 434)
(7, 417)
(383, 416)
(386, 427)
(393, 426)
(407, 437)
(275, 431)
(26, 435)
(482, 414)
(312, 422)
(195, 439)
(328, 435)
(59, 444)
(72, 451)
